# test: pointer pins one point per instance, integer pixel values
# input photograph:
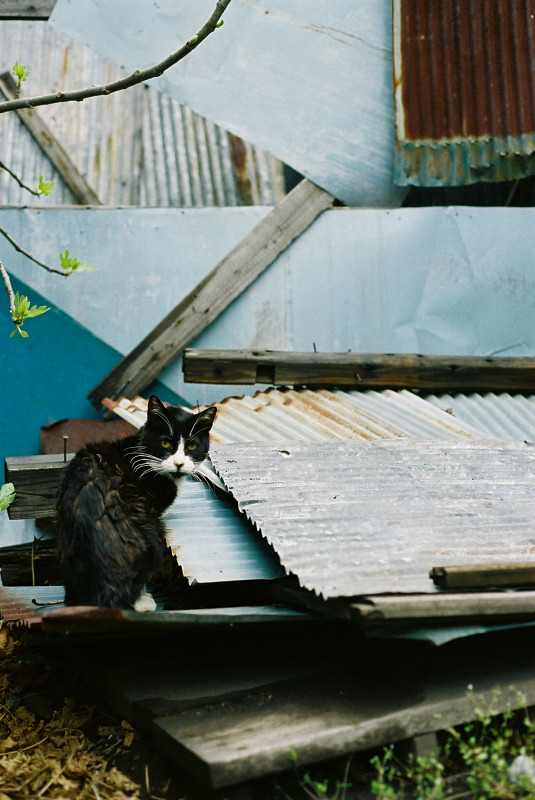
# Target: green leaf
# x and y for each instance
(22, 311)
(45, 187)
(72, 264)
(20, 72)
(7, 495)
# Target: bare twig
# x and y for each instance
(20, 183)
(9, 288)
(138, 76)
(24, 252)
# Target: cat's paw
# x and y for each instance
(145, 602)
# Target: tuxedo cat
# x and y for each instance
(110, 501)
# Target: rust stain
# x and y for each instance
(239, 159)
(467, 68)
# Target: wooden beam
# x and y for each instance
(484, 576)
(484, 607)
(36, 481)
(54, 151)
(361, 370)
(215, 292)
(26, 9)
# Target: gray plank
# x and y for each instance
(340, 712)
(360, 370)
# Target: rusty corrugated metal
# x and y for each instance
(464, 90)
(136, 147)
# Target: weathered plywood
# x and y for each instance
(295, 723)
(36, 480)
(26, 9)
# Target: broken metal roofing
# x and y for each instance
(213, 543)
(318, 415)
(136, 147)
(463, 85)
(353, 518)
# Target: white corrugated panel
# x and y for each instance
(135, 147)
(503, 415)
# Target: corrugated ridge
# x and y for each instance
(354, 517)
(135, 147)
(465, 101)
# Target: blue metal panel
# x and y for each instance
(309, 82)
(454, 280)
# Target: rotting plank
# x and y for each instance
(361, 370)
(215, 292)
(54, 151)
(483, 576)
(295, 723)
(36, 480)
(446, 608)
(26, 9)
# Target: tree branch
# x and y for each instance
(139, 76)
(9, 288)
(24, 252)
(18, 180)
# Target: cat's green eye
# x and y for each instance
(166, 444)
(191, 446)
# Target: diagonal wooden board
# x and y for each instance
(215, 292)
(55, 152)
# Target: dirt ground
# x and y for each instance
(58, 740)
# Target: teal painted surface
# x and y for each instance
(46, 377)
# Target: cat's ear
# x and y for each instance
(155, 405)
(204, 421)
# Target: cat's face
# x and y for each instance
(174, 440)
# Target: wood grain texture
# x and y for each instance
(36, 480)
(361, 370)
(215, 292)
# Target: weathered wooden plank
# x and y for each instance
(483, 575)
(36, 481)
(361, 370)
(215, 292)
(442, 608)
(26, 9)
(313, 719)
(55, 152)
(30, 563)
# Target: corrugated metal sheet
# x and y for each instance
(319, 415)
(506, 416)
(309, 81)
(464, 91)
(353, 518)
(211, 540)
(136, 147)
(213, 543)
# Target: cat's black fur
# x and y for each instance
(110, 501)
